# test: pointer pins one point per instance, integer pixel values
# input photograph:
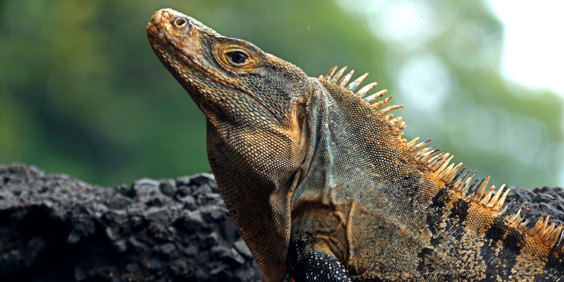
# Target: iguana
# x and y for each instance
(321, 183)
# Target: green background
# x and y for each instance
(82, 93)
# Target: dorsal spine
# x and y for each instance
(441, 165)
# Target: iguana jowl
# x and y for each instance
(321, 183)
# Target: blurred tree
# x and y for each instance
(82, 93)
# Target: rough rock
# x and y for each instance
(55, 228)
(537, 202)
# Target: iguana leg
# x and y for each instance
(309, 264)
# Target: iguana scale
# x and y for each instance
(321, 183)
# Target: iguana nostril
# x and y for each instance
(180, 22)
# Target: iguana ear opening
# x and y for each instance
(298, 123)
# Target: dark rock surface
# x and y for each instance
(536, 203)
(55, 228)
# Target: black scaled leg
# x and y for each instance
(307, 264)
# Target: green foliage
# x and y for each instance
(82, 93)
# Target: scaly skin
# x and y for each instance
(311, 172)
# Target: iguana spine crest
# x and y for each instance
(442, 167)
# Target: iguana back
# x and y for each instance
(321, 182)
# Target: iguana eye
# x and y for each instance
(234, 57)
(237, 58)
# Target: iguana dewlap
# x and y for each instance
(321, 183)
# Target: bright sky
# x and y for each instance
(534, 42)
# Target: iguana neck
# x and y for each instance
(356, 155)
(356, 148)
(258, 206)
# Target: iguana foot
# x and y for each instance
(308, 264)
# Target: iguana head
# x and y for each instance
(235, 84)
(254, 103)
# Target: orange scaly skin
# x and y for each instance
(321, 183)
